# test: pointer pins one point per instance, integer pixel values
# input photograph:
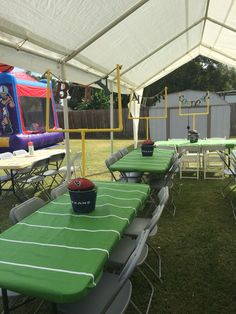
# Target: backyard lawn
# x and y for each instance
(197, 245)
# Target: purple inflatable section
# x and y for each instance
(20, 141)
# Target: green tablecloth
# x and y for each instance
(58, 255)
(227, 143)
(134, 161)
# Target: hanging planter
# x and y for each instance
(147, 148)
(83, 194)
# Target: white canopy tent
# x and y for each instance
(87, 38)
(150, 38)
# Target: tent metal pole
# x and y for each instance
(83, 154)
(66, 126)
(111, 117)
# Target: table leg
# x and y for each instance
(5, 302)
(54, 308)
(14, 186)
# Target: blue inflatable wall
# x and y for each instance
(23, 113)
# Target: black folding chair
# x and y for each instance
(34, 178)
(7, 177)
(55, 162)
(230, 170)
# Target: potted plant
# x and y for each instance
(147, 147)
(83, 193)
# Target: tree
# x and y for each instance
(99, 99)
(199, 74)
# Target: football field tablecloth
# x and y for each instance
(134, 161)
(204, 144)
(58, 255)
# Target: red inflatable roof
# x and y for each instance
(23, 76)
(6, 67)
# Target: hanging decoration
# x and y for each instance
(192, 106)
(136, 100)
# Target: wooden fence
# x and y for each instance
(98, 119)
(94, 119)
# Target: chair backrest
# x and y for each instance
(124, 151)
(154, 220)
(40, 166)
(116, 156)
(25, 209)
(7, 155)
(59, 190)
(190, 148)
(229, 161)
(223, 157)
(119, 154)
(181, 154)
(134, 257)
(213, 148)
(215, 138)
(57, 159)
(163, 196)
(108, 162)
(167, 147)
(172, 171)
(19, 152)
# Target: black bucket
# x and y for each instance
(83, 201)
(193, 136)
(147, 150)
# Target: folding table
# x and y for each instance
(58, 255)
(20, 162)
(134, 161)
(226, 143)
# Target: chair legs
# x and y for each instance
(151, 286)
(226, 186)
(233, 208)
(234, 214)
(225, 195)
(158, 256)
(135, 306)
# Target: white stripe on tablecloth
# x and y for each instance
(120, 198)
(66, 228)
(60, 203)
(82, 216)
(114, 205)
(55, 245)
(118, 206)
(100, 183)
(50, 269)
(117, 190)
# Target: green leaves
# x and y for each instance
(199, 74)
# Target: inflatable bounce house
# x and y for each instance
(23, 112)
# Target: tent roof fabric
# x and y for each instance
(149, 38)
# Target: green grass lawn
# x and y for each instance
(197, 246)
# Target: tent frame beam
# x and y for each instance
(145, 83)
(104, 31)
(162, 46)
(205, 19)
(219, 52)
(221, 24)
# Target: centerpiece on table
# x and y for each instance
(193, 136)
(147, 147)
(83, 194)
